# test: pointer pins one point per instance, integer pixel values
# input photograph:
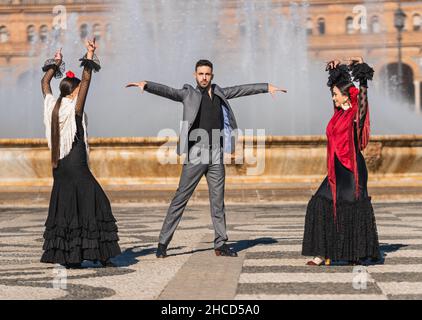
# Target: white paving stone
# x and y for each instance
(289, 277)
(310, 297)
(400, 288)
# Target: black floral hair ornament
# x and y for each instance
(362, 72)
(339, 74)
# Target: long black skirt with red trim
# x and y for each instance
(353, 236)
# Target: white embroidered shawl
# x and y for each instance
(67, 123)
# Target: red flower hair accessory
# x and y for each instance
(70, 74)
(353, 91)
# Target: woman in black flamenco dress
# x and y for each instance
(340, 222)
(80, 224)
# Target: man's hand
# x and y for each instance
(273, 90)
(140, 85)
(58, 55)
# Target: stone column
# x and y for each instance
(417, 84)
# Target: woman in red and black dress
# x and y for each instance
(340, 221)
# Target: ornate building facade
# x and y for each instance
(334, 29)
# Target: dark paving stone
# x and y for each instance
(18, 254)
(397, 277)
(409, 215)
(274, 255)
(240, 227)
(305, 288)
(286, 228)
(386, 219)
(142, 238)
(281, 216)
(392, 225)
(25, 273)
(401, 260)
(17, 245)
(296, 269)
(405, 297)
(399, 237)
(17, 261)
(410, 246)
(73, 291)
(133, 226)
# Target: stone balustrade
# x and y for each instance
(134, 161)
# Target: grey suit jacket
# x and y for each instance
(191, 99)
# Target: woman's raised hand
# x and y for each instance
(353, 60)
(91, 46)
(333, 64)
(58, 55)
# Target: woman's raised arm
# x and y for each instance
(52, 68)
(89, 64)
(361, 72)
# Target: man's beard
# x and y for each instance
(200, 85)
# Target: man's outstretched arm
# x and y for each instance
(250, 89)
(160, 90)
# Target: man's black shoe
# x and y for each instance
(225, 251)
(161, 251)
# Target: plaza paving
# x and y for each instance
(269, 265)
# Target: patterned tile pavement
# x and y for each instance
(269, 265)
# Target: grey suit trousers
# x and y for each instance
(203, 160)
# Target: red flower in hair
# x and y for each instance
(70, 74)
(353, 91)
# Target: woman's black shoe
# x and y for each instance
(72, 265)
(108, 264)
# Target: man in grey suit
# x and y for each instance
(207, 115)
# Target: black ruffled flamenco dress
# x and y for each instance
(80, 224)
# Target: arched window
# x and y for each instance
(242, 30)
(4, 34)
(109, 31)
(84, 31)
(349, 25)
(96, 30)
(375, 24)
(309, 26)
(321, 26)
(43, 33)
(31, 34)
(417, 22)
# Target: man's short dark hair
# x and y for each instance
(204, 63)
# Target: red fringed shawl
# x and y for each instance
(341, 142)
